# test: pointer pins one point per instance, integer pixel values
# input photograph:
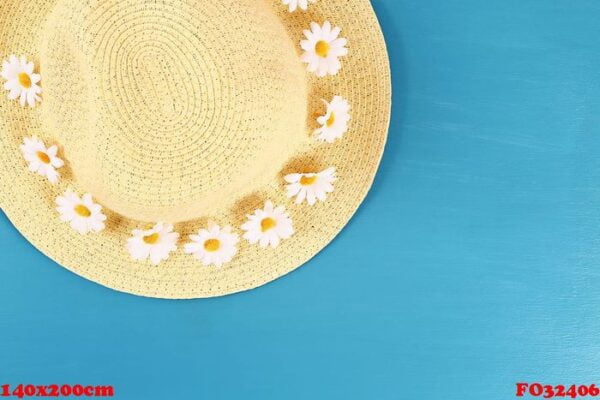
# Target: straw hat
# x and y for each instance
(188, 148)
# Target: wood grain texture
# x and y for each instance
(480, 239)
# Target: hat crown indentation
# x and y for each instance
(172, 116)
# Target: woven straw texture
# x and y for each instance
(186, 111)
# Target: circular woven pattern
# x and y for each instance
(172, 127)
(187, 111)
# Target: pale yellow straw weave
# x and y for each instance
(186, 111)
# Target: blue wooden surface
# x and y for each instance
(473, 264)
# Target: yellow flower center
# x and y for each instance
(267, 224)
(151, 239)
(82, 211)
(322, 48)
(43, 157)
(331, 120)
(212, 245)
(24, 80)
(307, 180)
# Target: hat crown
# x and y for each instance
(166, 114)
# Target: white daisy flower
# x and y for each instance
(82, 213)
(41, 159)
(294, 4)
(268, 226)
(311, 186)
(21, 82)
(334, 124)
(155, 243)
(214, 245)
(322, 49)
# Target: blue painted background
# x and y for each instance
(473, 264)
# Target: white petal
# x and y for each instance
(292, 178)
(326, 29)
(274, 241)
(307, 45)
(14, 94)
(309, 35)
(333, 34)
(268, 206)
(280, 210)
(23, 98)
(293, 189)
(322, 69)
(11, 85)
(52, 175)
(312, 199)
(191, 248)
(137, 250)
(251, 236)
(301, 196)
(264, 241)
(327, 187)
(29, 67)
(247, 226)
(31, 98)
(80, 225)
(57, 162)
(34, 166)
(321, 195)
(97, 226)
(156, 256)
(315, 28)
